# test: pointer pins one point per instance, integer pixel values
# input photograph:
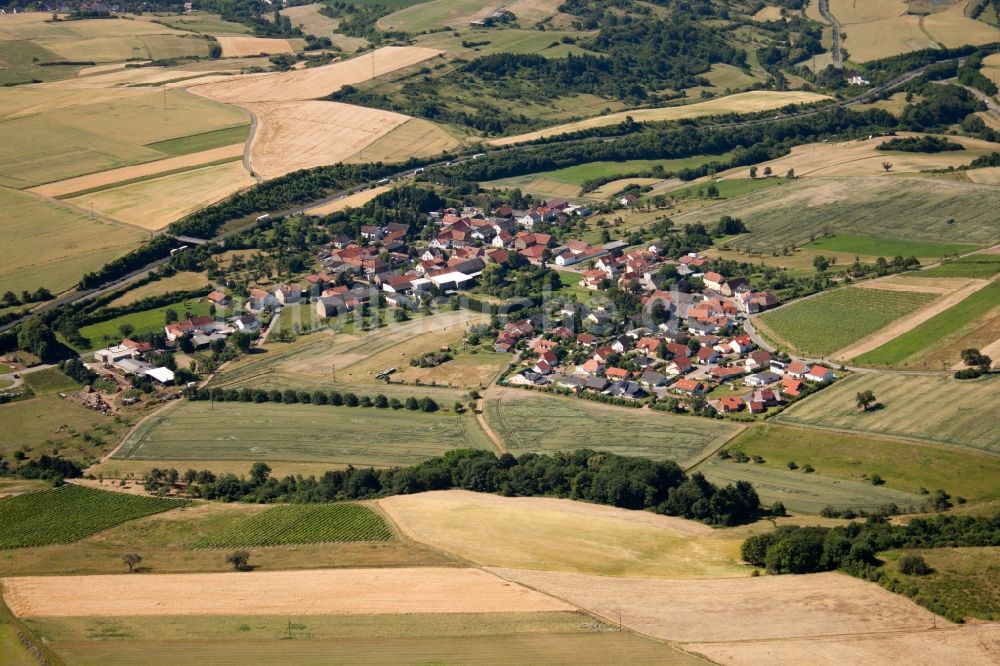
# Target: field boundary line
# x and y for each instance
(159, 413)
(709, 453)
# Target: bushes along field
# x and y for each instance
(299, 523)
(70, 513)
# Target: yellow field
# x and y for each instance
(238, 46)
(768, 14)
(351, 201)
(315, 82)
(881, 39)
(563, 535)
(310, 20)
(153, 204)
(53, 134)
(414, 138)
(862, 158)
(606, 190)
(530, 12)
(302, 135)
(178, 282)
(81, 183)
(952, 27)
(747, 102)
(138, 76)
(46, 244)
(987, 176)
(848, 12)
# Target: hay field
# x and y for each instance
(47, 244)
(748, 102)
(806, 493)
(991, 67)
(530, 12)
(304, 84)
(356, 200)
(768, 14)
(848, 12)
(105, 178)
(880, 39)
(563, 535)
(301, 433)
(240, 46)
(309, 362)
(302, 135)
(862, 158)
(155, 203)
(915, 208)
(952, 27)
(531, 422)
(437, 14)
(310, 20)
(53, 134)
(929, 408)
(319, 592)
(416, 137)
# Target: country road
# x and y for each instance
(824, 9)
(248, 145)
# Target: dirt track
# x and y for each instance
(317, 592)
(904, 325)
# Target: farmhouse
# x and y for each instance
(731, 403)
(819, 374)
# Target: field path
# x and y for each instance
(905, 324)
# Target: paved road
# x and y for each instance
(17, 381)
(824, 9)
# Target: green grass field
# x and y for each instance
(983, 266)
(49, 381)
(881, 247)
(494, 639)
(145, 321)
(532, 422)
(547, 43)
(924, 337)
(22, 63)
(835, 319)
(50, 245)
(903, 466)
(805, 493)
(915, 209)
(579, 174)
(205, 141)
(303, 523)
(50, 424)
(936, 409)
(304, 433)
(965, 582)
(70, 513)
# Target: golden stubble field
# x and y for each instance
(316, 592)
(748, 102)
(240, 46)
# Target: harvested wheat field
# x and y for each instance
(302, 135)
(104, 178)
(155, 203)
(970, 645)
(736, 609)
(848, 12)
(901, 326)
(563, 535)
(862, 158)
(414, 138)
(986, 176)
(748, 102)
(239, 46)
(768, 14)
(356, 200)
(317, 592)
(316, 82)
(952, 28)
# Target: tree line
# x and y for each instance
(292, 396)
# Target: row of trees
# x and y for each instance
(593, 476)
(291, 396)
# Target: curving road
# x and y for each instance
(824, 9)
(248, 144)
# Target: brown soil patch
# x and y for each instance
(81, 183)
(897, 328)
(736, 609)
(315, 82)
(974, 645)
(302, 135)
(317, 592)
(236, 46)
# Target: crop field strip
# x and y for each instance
(303, 523)
(835, 319)
(303, 433)
(928, 408)
(530, 422)
(982, 266)
(70, 513)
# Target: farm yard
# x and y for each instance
(747, 102)
(903, 466)
(927, 408)
(303, 523)
(301, 433)
(563, 535)
(48, 244)
(531, 422)
(806, 493)
(826, 323)
(70, 513)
